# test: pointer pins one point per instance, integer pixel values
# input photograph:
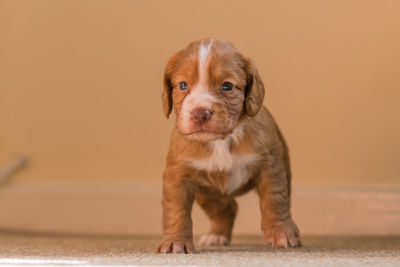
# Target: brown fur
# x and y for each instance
(183, 184)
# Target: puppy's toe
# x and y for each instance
(283, 234)
(213, 240)
(176, 246)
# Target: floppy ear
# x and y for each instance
(167, 93)
(254, 90)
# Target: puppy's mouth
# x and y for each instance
(202, 131)
(204, 134)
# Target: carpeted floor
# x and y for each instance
(50, 250)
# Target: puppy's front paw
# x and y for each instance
(176, 245)
(282, 234)
(213, 240)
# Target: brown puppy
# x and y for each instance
(225, 143)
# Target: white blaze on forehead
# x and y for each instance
(204, 52)
(199, 95)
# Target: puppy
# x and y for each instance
(225, 143)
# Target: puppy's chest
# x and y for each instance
(233, 170)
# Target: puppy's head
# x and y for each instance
(212, 87)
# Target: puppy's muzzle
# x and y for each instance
(201, 115)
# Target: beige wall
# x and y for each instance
(80, 83)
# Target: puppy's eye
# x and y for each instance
(227, 86)
(183, 86)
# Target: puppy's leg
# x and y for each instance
(177, 222)
(273, 189)
(222, 212)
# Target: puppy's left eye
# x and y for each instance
(183, 85)
(227, 86)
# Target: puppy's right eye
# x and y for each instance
(227, 86)
(183, 86)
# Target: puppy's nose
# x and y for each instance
(201, 115)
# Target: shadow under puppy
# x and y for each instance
(225, 143)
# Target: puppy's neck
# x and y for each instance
(219, 156)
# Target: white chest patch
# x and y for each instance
(222, 159)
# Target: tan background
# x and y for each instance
(80, 84)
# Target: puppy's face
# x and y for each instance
(211, 86)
